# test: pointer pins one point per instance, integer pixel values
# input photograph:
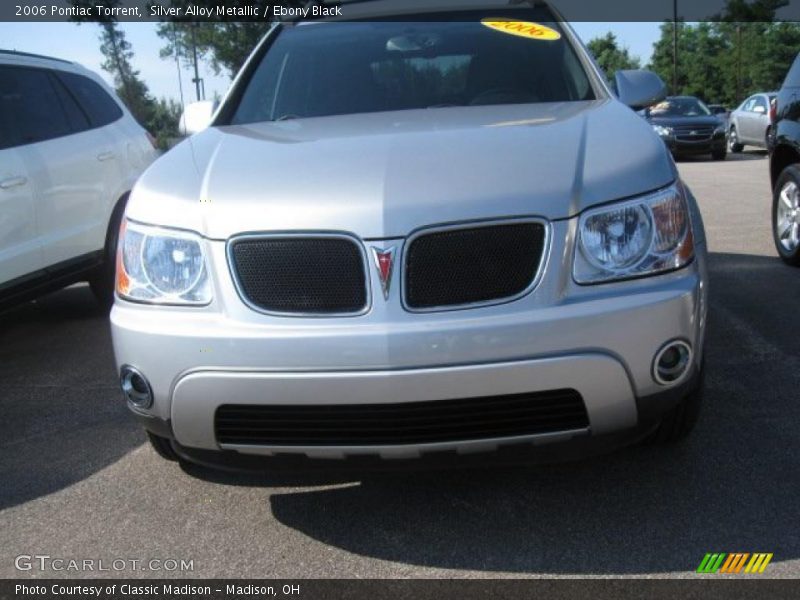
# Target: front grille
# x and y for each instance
(687, 133)
(302, 275)
(405, 423)
(472, 265)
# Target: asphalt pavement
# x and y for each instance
(78, 480)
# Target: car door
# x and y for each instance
(20, 250)
(64, 157)
(105, 113)
(744, 119)
(759, 121)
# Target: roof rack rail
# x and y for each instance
(31, 55)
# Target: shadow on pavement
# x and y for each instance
(732, 486)
(63, 415)
(746, 154)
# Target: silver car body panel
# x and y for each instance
(561, 323)
(386, 174)
(600, 379)
(751, 127)
(379, 178)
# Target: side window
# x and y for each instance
(749, 104)
(77, 118)
(94, 100)
(760, 101)
(28, 99)
(793, 77)
(8, 134)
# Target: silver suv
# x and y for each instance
(69, 154)
(411, 234)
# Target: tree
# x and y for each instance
(158, 117)
(610, 56)
(118, 56)
(750, 11)
(703, 76)
(163, 121)
(130, 87)
(725, 62)
(225, 44)
(661, 59)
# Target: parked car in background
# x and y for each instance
(474, 243)
(69, 154)
(687, 126)
(749, 125)
(784, 168)
(721, 112)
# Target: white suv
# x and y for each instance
(69, 154)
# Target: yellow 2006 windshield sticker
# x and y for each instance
(525, 29)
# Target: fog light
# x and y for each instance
(136, 388)
(672, 362)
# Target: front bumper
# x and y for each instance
(685, 147)
(509, 453)
(599, 340)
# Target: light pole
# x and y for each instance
(197, 81)
(738, 62)
(675, 47)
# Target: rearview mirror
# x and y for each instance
(196, 117)
(639, 89)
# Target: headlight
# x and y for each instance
(639, 237)
(663, 131)
(161, 266)
(720, 129)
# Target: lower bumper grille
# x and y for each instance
(693, 134)
(404, 423)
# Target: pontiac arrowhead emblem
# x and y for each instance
(384, 263)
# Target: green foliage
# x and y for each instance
(118, 56)
(224, 44)
(725, 62)
(610, 56)
(163, 121)
(435, 82)
(159, 117)
(740, 52)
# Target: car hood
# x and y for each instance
(384, 175)
(712, 121)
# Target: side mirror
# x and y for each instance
(760, 110)
(196, 117)
(639, 89)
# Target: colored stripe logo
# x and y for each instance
(734, 563)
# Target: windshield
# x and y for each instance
(321, 69)
(680, 107)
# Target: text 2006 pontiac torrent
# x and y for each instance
(405, 235)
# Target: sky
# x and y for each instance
(80, 43)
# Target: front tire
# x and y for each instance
(102, 284)
(719, 154)
(786, 215)
(733, 141)
(163, 447)
(679, 422)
